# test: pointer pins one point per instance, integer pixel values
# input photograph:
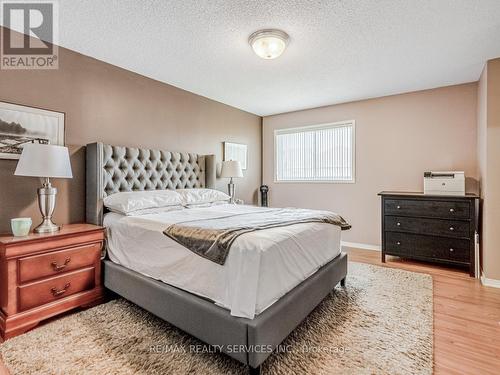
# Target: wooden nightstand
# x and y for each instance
(43, 275)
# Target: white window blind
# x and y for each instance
(315, 153)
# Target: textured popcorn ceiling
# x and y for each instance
(340, 50)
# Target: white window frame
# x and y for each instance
(328, 125)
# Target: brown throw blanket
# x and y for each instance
(212, 238)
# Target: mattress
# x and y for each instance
(261, 267)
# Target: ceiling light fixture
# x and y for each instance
(269, 43)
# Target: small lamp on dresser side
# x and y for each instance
(231, 169)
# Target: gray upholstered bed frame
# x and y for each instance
(111, 169)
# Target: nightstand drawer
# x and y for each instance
(49, 290)
(57, 262)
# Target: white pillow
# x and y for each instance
(128, 202)
(149, 211)
(203, 205)
(199, 196)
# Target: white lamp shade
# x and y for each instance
(40, 160)
(231, 168)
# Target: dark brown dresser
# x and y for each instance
(432, 228)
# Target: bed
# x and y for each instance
(250, 303)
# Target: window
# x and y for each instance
(322, 153)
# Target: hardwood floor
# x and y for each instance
(466, 317)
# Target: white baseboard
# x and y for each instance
(490, 282)
(363, 246)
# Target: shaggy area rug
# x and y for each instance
(380, 323)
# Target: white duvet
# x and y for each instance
(261, 267)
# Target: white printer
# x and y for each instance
(444, 183)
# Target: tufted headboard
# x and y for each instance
(112, 169)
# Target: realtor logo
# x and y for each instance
(28, 39)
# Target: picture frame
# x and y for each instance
(20, 124)
(236, 151)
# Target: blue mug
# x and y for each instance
(21, 226)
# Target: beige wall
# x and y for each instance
(489, 166)
(112, 105)
(397, 139)
(482, 127)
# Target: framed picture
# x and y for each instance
(21, 124)
(236, 151)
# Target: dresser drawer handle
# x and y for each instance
(57, 293)
(398, 224)
(398, 207)
(452, 229)
(60, 267)
(398, 243)
(452, 210)
(452, 250)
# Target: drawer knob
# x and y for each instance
(60, 267)
(398, 243)
(452, 210)
(452, 250)
(398, 207)
(57, 293)
(398, 224)
(452, 229)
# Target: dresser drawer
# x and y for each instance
(49, 290)
(56, 262)
(437, 227)
(420, 246)
(427, 208)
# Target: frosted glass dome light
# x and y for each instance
(269, 44)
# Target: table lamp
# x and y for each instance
(231, 169)
(45, 161)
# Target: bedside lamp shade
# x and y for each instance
(231, 168)
(46, 161)
(40, 160)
